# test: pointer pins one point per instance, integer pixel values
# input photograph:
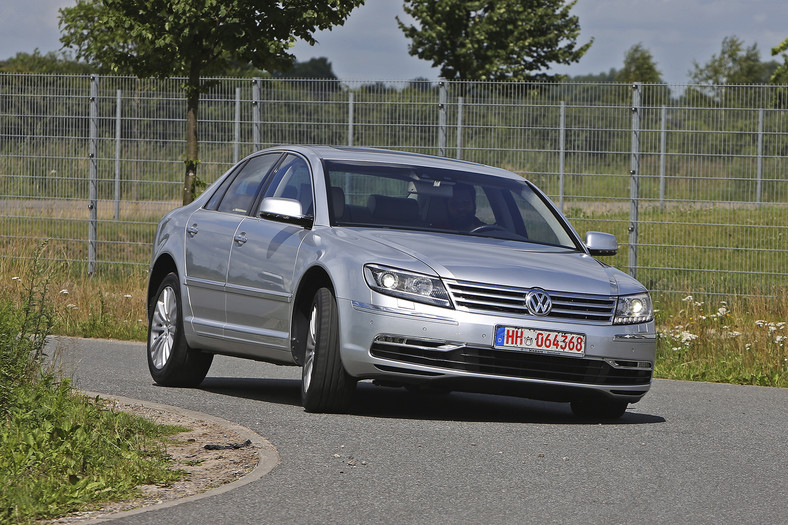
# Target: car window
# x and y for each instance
(293, 180)
(242, 190)
(441, 200)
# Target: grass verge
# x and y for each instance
(59, 450)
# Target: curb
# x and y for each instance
(268, 457)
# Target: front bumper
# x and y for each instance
(404, 343)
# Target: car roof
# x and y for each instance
(384, 156)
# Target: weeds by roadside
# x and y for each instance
(740, 340)
(60, 450)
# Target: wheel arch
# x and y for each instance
(313, 279)
(163, 266)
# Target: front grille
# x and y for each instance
(489, 361)
(494, 299)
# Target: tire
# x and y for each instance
(325, 386)
(596, 408)
(170, 360)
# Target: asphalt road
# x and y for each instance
(687, 453)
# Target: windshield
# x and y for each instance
(440, 200)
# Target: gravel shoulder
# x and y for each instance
(236, 456)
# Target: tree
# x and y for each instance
(194, 38)
(734, 65)
(494, 39)
(312, 68)
(50, 64)
(780, 74)
(305, 74)
(639, 66)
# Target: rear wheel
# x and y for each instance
(325, 386)
(170, 360)
(596, 408)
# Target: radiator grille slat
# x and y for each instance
(494, 299)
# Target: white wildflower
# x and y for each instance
(733, 334)
(15, 278)
(72, 307)
(780, 339)
(63, 292)
(781, 325)
(127, 296)
(761, 322)
(722, 311)
(687, 337)
(688, 299)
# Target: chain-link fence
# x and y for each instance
(691, 179)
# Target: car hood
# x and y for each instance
(507, 263)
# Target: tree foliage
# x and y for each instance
(735, 64)
(780, 74)
(49, 64)
(194, 38)
(639, 66)
(494, 39)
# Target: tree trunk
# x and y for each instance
(192, 104)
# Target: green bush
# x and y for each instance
(60, 450)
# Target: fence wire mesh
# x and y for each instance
(691, 179)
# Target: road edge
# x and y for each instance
(268, 456)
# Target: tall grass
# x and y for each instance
(60, 450)
(741, 340)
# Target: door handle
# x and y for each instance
(192, 230)
(240, 238)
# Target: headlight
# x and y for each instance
(412, 286)
(633, 309)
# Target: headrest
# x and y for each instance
(337, 201)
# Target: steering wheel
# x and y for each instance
(488, 228)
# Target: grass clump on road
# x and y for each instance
(60, 450)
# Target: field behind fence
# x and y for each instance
(693, 180)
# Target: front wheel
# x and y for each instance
(325, 386)
(170, 360)
(596, 408)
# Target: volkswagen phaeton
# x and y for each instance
(404, 269)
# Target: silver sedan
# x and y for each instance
(404, 269)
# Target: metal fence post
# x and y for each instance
(442, 118)
(117, 154)
(93, 175)
(562, 155)
(759, 184)
(460, 102)
(256, 124)
(237, 127)
(662, 155)
(634, 181)
(350, 110)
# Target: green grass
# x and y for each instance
(740, 340)
(59, 450)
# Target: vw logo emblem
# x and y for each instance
(538, 302)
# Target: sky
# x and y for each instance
(371, 47)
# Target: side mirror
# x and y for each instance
(284, 210)
(601, 244)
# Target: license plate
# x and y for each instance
(546, 341)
